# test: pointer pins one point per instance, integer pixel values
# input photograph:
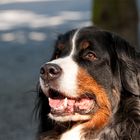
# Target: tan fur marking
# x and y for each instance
(84, 44)
(87, 84)
(60, 46)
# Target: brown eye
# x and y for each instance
(90, 56)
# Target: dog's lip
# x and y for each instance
(64, 105)
(55, 94)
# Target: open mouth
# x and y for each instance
(62, 105)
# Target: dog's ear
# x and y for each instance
(129, 65)
(42, 109)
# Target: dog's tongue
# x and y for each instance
(62, 104)
(56, 103)
(67, 105)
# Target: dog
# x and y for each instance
(90, 89)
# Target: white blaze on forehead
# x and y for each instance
(74, 42)
(67, 81)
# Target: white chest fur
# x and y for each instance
(73, 134)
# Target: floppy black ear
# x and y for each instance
(129, 65)
(42, 109)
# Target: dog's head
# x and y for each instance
(89, 73)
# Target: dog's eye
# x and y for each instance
(91, 56)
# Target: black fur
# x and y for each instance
(119, 69)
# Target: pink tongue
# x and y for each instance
(59, 104)
(68, 105)
(56, 103)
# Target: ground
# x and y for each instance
(28, 29)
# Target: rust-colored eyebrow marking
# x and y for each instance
(84, 44)
(60, 46)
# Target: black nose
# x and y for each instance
(50, 72)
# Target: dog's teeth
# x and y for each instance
(65, 102)
(49, 99)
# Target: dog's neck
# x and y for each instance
(74, 133)
(123, 124)
(112, 131)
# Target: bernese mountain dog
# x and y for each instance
(90, 89)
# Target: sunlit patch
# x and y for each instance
(8, 19)
(7, 37)
(23, 1)
(37, 36)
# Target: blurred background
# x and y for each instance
(28, 29)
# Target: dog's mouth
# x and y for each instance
(62, 105)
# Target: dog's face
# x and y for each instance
(82, 81)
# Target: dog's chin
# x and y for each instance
(76, 117)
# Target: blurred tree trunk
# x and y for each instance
(119, 16)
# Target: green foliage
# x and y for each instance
(120, 16)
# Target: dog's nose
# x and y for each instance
(50, 72)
